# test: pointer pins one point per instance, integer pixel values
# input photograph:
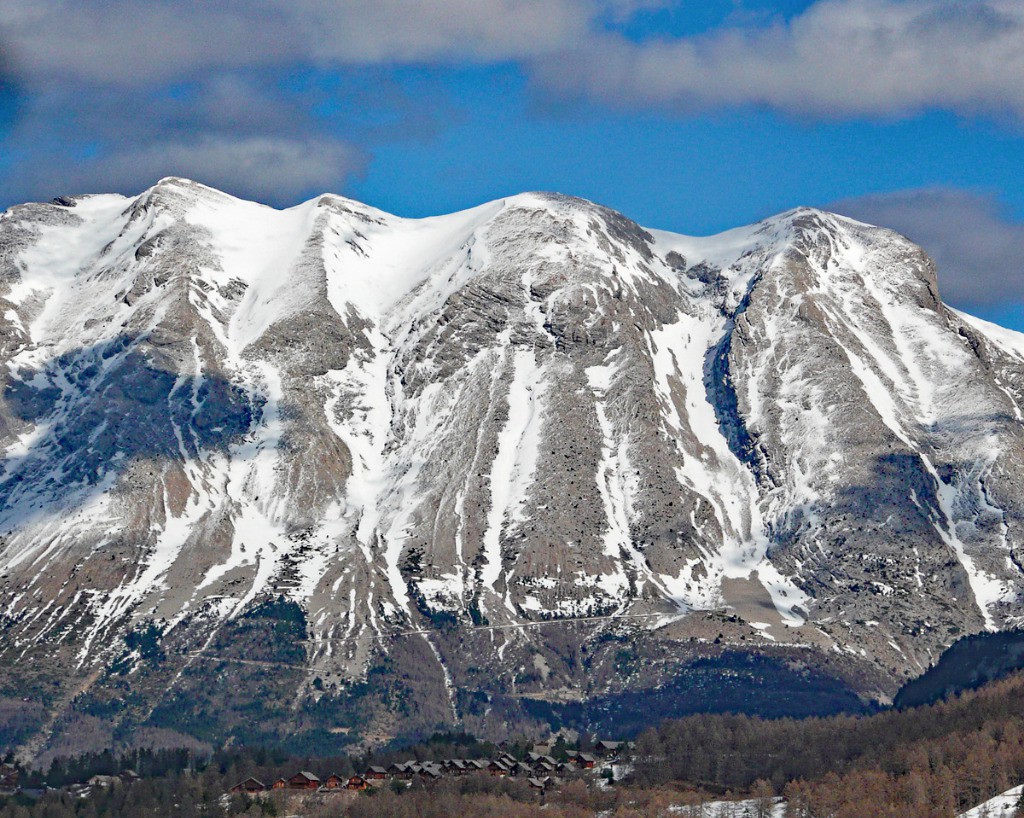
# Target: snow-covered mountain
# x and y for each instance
(485, 454)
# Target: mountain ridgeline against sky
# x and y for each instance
(329, 472)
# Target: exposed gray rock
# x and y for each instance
(425, 440)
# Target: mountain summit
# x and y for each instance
(327, 471)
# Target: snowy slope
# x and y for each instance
(531, 410)
(1002, 806)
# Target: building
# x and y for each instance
(375, 774)
(498, 768)
(537, 783)
(249, 786)
(400, 770)
(356, 782)
(9, 775)
(585, 761)
(304, 781)
(608, 749)
(335, 782)
(280, 784)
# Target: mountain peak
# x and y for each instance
(402, 445)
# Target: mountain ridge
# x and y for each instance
(533, 411)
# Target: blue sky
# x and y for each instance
(689, 116)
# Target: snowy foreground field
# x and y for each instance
(729, 809)
(1002, 806)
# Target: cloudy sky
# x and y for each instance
(693, 115)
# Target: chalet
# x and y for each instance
(543, 768)
(249, 786)
(549, 760)
(572, 755)
(478, 765)
(430, 773)
(335, 782)
(458, 767)
(533, 758)
(506, 759)
(414, 767)
(608, 749)
(537, 783)
(304, 781)
(399, 770)
(520, 769)
(498, 768)
(9, 777)
(375, 774)
(563, 768)
(356, 782)
(105, 781)
(280, 784)
(585, 761)
(128, 776)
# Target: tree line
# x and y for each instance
(929, 762)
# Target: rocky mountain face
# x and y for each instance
(329, 474)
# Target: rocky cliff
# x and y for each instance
(332, 473)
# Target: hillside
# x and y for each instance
(330, 476)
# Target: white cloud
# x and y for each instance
(271, 169)
(136, 42)
(978, 248)
(840, 58)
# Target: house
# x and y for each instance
(249, 786)
(533, 758)
(520, 769)
(280, 784)
(335, 782)
(506, 759)
(128, 776)
(375, 774)
(498, 768)
(543, 768)
(399, 770)
(9, 777)
(105, 781)
(585, 761)
(537, 783)
(356, 782)
(478, 765)
(304, 781)
(458, 767)
(608, 749)
(430, 774)
(564, 769)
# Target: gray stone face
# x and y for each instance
(485, 456)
